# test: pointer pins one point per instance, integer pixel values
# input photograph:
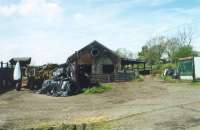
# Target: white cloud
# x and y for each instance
(8, 10)
(47, 8)
(78, 17)
(146, 2)
(108, 23)
(158, 2)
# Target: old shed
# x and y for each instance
(98, 63)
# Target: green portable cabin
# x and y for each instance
(189, 68)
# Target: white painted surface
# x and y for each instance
(197, 67)
(186, 77)
(17, 72)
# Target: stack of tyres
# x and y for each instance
(57, 88)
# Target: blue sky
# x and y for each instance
(50, 30)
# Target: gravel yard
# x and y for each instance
(149, 105)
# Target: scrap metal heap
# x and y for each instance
(62, 82)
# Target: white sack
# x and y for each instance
(17, 72)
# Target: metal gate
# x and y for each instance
(6, 76)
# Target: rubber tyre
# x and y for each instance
(18, 86)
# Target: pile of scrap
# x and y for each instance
(62, 88)
(60, 84)
(37, 74)
(46, 71)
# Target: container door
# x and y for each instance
(197, 67)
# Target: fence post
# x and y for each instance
(1, 64)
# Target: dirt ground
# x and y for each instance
(149, 105)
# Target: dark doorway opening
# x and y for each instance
(108, 69)
(84, 72)
(85, 68)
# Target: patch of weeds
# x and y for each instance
(97, 89)
(168, 79)
(67, 127)
(168, 66)
(196, 83)
(140, 78)
(156, 72)
(45, 126)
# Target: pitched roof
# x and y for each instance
(185, 58)
(89, 46)
(127, 61)
(24, 61)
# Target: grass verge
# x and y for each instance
(140, 78)
(196, 84)
(97, 89)
(169, 79)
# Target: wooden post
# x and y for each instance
(193, 69)
(76, 65)
(1, 64)
(132, 66)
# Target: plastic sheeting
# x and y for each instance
(17, 72)
(56, 88)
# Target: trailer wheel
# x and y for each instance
(18, 86)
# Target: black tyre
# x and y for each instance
(18, 86)
(31, 85)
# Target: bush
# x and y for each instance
(168, 66)
(156, 67)
(168, 79)
(159, 69)
(140, 78)
(155, 72)
(97, 89)
(196, 83)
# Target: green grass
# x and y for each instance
(169, 79)
(88, 126)
(97, 89)
(140, 78)
(166, 78)
(196, 83)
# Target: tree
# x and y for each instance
(185, 36)
(170, 48)
(124, 53)
(172, 45)
(183, 44)
(183, 51)
(154, 49)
